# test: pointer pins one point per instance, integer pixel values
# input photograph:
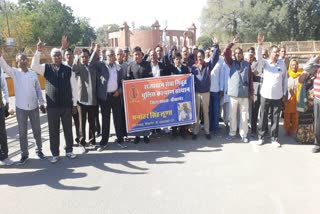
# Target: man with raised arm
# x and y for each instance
(27, 93)
(240, 89)
(61, 98)
(273, 91)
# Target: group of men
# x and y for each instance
(77, 85)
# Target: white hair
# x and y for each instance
(118, 49)
(55, 50)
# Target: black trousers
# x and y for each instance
(123, 115)
(266, 104)
(3, 136)
(54, 117)
(76, 125)
(84, 111)
(97, 121)
(317, 121)
(255, 109)
(113, 103)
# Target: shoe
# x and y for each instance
(121, 144)
(166, 131)
(82, 149)
(194, 137)
(7, 162)
(316, 149)
(259, 142)
(101, 148)
(146, 139)
(174, 133)
(137, 140)
(98, 133)
(253, 134)
(275, 144)
(77, 142)
(41, 156)
(208, 136)
(54, 159)
(245, 140)
(70, 155)
(229, 137)
(23, 160)
(216, 134)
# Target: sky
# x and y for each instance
(179, 14)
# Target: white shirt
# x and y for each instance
(26, 87)
(40, 69)
(216, 78)
(225, 73)
(113, 78)
(155, 70)
(4, 88)
(275, 80)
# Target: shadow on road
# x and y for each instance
(114, 160)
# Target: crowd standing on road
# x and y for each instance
(243, 89)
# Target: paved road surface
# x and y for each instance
(166, 176)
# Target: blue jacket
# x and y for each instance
(201, 85)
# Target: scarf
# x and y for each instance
(293, 74)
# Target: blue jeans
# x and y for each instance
(214, 111)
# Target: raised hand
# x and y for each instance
(260, 39)
(77, 51)
(215, 40)
(40, 45)
(64, 42)
(97, 48)
(235, 40)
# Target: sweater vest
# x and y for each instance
(238, 83)
(58, 86)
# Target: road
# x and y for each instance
(169, 175)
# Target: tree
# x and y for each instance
(143, 27)
(101, 33)
(221, 18)
(204, 42)
(303, 19)
(51, 20)
(87, 32)
(278, 20)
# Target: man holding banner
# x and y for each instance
(109, 89)
(139, 69)
(154, 101)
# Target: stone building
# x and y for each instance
(151, 37)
